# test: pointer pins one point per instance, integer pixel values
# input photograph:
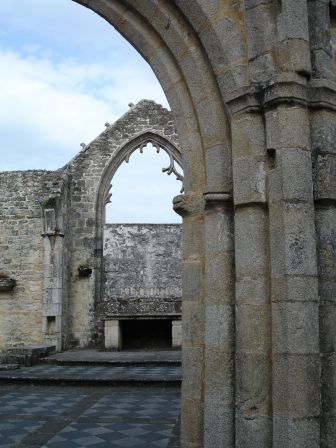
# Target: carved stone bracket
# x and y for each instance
(108, 195)
(188, 204)
(7, 284)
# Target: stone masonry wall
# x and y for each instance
(142, 269)
(22, 252)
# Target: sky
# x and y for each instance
(64, 72)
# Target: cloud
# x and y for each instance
(58, 105)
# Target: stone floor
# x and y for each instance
(82, 416)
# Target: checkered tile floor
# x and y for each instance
(107, 435)
(36, 403)
(74, 417)
(12, 431)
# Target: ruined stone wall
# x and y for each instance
(51, 223)
(22, 252)
(142, 270)
(88, 171)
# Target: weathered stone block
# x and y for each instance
(192, 361)
(296, 389)
(287, 127)
(323, 132)
(252, 290)
(295, 327)
(298, 433)
(325, 177)
(219, 271)
(192, 281)
(251, 225)
(249, 175)
(293, 223)
(293, 20)
(252, 328)
(327, 313)
(294, 56)
(219, 371)
(219, 327)
(295, 288)
(296, 184)
(218, 168)
(261, 30)
(193, 323)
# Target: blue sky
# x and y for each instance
(64, 72)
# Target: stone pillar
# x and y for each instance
(323, 127)
(219, 405)
(112, 335)
(253, 311)
(176, 334)
(295, 325)
(53, 279)
(190, 207)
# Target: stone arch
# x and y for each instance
(165, 38)
(164, 35)
(123, 154)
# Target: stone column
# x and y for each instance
(176, 334)
(323, 126)
(295, 326)
(219, 408)
(253, 310)
(190, 207)
(112, 335)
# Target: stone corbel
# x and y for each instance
(188, 204)
(6, 283)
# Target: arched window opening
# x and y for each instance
(142, 250)
(140, 191)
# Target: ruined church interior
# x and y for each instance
(241, 297)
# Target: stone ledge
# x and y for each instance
(26, 355)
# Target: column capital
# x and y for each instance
(215, 199)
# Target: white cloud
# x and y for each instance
(60, 104)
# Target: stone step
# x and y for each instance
(94, 375)
(86, 357)
(5, 367)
